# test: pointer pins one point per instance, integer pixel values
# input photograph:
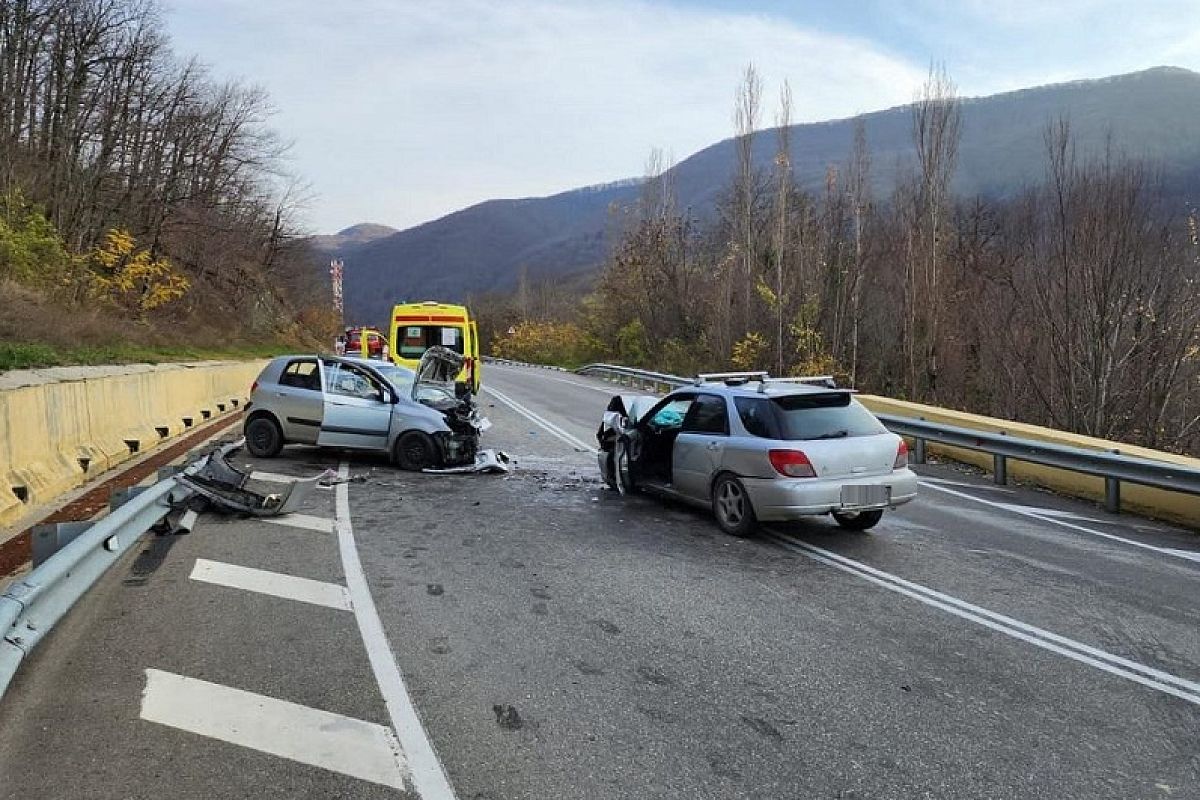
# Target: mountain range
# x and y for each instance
(1153, 114)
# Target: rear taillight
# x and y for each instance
(792, 463)
(901, 456)
(254, 387)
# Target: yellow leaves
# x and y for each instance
(131, 277)
(767, 294)
(748, 353)
(558, 343)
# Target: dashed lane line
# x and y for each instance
(1145, 675)
(425, 769)
(308, 521)
(276, 584)
(348, 746)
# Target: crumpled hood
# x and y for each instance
(439, 368)
(624, 410)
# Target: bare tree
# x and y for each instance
(936, 123)
(783, 187)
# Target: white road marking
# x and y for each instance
(601, 389)
(307, 521)
(991, 487)
(1026, 511)
(573, 441)
(322, 739)
(305, 590)
(1058, 514)
(272, 477)
(426, 771)
(1047, 640)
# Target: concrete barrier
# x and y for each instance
(59, 427)
(1151, 502)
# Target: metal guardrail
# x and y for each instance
(1114, 467)
(30, 607)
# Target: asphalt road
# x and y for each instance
(560, 641)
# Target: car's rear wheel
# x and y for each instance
(858, 520)
(416, 451)
(263, 437)
(731, 506)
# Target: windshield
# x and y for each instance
(414, 340)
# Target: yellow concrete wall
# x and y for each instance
(51, 419)
(1157, 503)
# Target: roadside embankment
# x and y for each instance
(62, 426)
(1157, 503)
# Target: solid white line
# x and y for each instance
(276, 584)
(272, 477)
(322, 739)
(601, 389)
(428, 776)
(1047, 640)
(573, 441)
(1167, 551)
(307, 521)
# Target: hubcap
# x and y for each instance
(731, 504)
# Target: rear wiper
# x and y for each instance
(834, 435)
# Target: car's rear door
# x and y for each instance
(357, 408)
(699, 446)
(298, 401)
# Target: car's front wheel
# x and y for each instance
(731, 506)
(858, 520)
(263, 437)
(416, 451)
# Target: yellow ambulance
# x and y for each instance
(419, 326)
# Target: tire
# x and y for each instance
(610, 477)
(622, 473)
(416, 451)
(858, 520)
(731, 506)
(263, 437)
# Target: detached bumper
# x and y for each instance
(777, 500)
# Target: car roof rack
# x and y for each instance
(732, 378)
(824, 381)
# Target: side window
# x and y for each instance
(302, 375)
(707, 415)
(350, 381)
(669, 416)
(755, 414)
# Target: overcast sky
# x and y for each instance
(404, 110)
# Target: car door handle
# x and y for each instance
(714, 445)
(281, 394)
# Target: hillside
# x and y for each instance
(1153, 114)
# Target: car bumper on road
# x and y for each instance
(776, 500)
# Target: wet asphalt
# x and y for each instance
(562, 641)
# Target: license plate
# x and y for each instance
(870, 496)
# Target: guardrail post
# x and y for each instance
(918, 451)
(1000, 469)
(1112, 492)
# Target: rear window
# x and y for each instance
(808, 416)
(414, 340)
(301, 375)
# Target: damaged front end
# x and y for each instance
(435, 387)
(619, 444)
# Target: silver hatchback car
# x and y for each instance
(415, 417)
(753, 448)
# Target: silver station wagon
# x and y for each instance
(754, 448)
(417, 418)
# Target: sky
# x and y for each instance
(401, 111)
